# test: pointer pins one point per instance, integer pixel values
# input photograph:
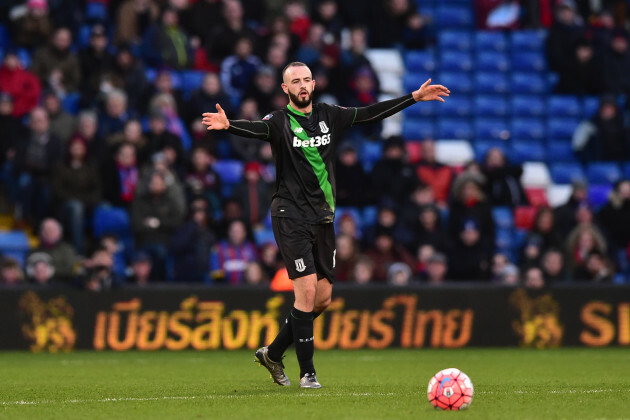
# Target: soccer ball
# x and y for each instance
(450, 389)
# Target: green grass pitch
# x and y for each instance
(386, 384)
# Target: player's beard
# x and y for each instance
(301, 103)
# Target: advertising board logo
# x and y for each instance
(538, 325)
(47, 325)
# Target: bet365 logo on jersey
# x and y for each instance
(312, 142)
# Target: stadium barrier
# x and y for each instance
(374, 317)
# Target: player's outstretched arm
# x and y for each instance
(381, 110)
(219, 121)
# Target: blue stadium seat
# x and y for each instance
(96, 11)
(70, 103)
(566, 172)
(425, 109)
(24, 56)
(458, 83)
(264, 236)
(564, 106)
(230, 171)
(456, 106)
(528, 106)
(456, 61)
(528, 40)
(420, 61)
(411, 80)
(503, 217)
(532, 83)
(15, 244)
(190, 81)
(561, 128)
(370, 152)
(491, 128)
(453, 17)
(370, 215)
(84, 35)
(528, 61)
(491, 82)
(590, 105)
(481, 147)
(492, 61)
(504, 240)
(560, 151)
(454, 40)
(527, 151)
(418, 129)
(453, 128)
(113, 220)
(598, 195)
(528, 128)
(490, 41)
(626, 170)
(491, 106)
(603, 173)
(5, 37)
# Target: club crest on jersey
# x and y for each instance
(299, 265)
(323, 127)
(267, 117)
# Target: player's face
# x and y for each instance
(299, 85)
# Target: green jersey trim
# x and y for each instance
(315, 159)
(295, 111)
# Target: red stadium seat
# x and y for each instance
(537, 196)
(524, 217)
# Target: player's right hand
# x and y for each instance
(216, 120)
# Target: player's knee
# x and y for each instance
(322, 305)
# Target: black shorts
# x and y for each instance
(306, 248)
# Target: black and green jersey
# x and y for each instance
(304, 147)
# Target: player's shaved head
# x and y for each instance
(290, 65)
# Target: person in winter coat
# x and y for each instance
(21, 84)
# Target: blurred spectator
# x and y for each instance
(99, 275)
(254, 274)
(437, 267)
(166, 43)
(270, 260)
(385, 252)
(11, 273)
(580, 243)
(203, 180)
(207, 96)
(21, 84)
(552, 265)
(423, 253)
(299, 20)
(12, 133)
(393, 166)
(122, 174)
(141, 268)
(204, 14)
(326, 13)
(87, 128)
(545, 228)
(533, 278)
(134, 18)
(599, 269)
(254, 194)
(57, 65)
(96, 61)
(533, 249)
(280, 37)
(429, 230)
(345, 258)
(586, 75)
(499, 262)
(566, 30)
(221, 39)
(613, 218)
(434, 174)
(116, 114)
(191, 244)
(262, 89)
(62, 124)
(420, 197)
(246, 149)
(348, 226)
(363, 272)
(469, 258)
(132, 134)
(565, 214)
(503, 186)
(76, 189)
(399, 275)
(165, 104)
(230, 257)
(387, 219)
(311, 49)
(160, 139)
(40, 270)
(509, 275)
(63, 257)
(238, 69)
(616, 64)
(35, 26)
(353, 184)
(155, 215)
(400, 25)
(119, 253)
(128, 75)
(36, 157)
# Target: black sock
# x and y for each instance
(282, 341)
(302, 326)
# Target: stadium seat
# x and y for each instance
(491, 82)
(503, 217)
(456, 61)
(490, 41)
(113, 220)
(528, 106)
(15, 244)
(414, 151)
(491, 128)
(452, 128)
(528, 61)
(528, 83)
(560, 151)
(70, 103)
(96, 12)
(391, 83)
(264, 236)
(528, 128)
(504, 240)
(386, 60)
(552, 80)
(492, 61)
(537, 197)
(5, 37)
(370, 152)
(454, 40)
(456, 106)
(453, 152)
(230, 171)
(526, 150)
(603, 173)
(411, 81)
(528, 40)
(190, 81)
(457, 82)
(83, 38)
(590, 105)
(535, 175)
(566, 172)
(369, 215)
(481, 147)
(491, 106)
(453, 17)
(418, 129)
(564, 106)
(524, 217)
(558, 194)
(423, 110)
(626, 170)
(598, 195)
(561, 128)
(420, 61)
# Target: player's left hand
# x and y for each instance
(429, 92)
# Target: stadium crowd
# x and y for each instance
(101, 101)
